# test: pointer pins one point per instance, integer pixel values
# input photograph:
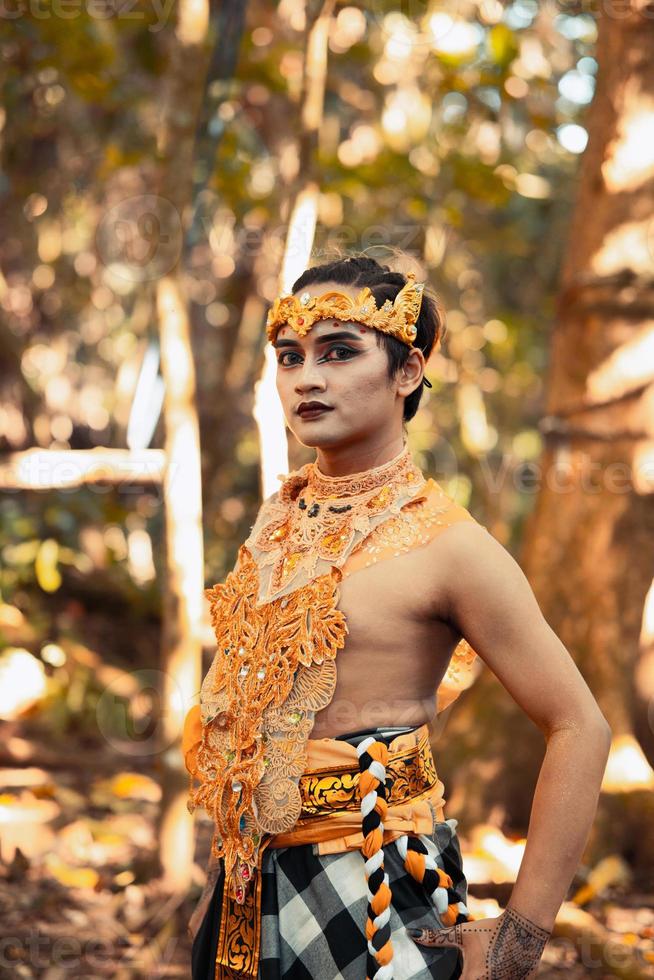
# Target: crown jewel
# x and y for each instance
(397, 317)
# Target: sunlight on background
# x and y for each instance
(631, 159)
(627, 768)
(491, 856)
(22, 682)
(267, 410)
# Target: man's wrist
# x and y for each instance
(539, 929)
(516, 946)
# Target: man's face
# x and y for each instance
(340, 365)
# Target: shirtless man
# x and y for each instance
(360, 563)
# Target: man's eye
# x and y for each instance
(286, 353)
(340, 347)
(342, 353)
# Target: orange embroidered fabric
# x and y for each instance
(273, 669)
(416, 799)
(315, 521)
(278, 630)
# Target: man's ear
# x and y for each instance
(411, 373)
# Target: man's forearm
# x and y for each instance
(562, 813)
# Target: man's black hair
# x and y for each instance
(360, 271)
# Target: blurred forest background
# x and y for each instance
(166, 170)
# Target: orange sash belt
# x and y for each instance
(331, 818)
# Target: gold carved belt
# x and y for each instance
(331, 818)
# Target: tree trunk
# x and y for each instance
(184, 578)
(595, 507)
(588, 543)
(587, 548)
(300, 207)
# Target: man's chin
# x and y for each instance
(320, 439)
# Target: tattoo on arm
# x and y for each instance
(516, 947)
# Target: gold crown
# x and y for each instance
(397, 317)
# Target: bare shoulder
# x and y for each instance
(488, 599)
(467, 541)
(471, 565)
(453, 530)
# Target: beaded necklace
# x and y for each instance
(315, 520)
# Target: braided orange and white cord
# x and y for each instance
(438, 884)
(373, 759)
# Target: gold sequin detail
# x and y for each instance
(397, 317)
(315, 521)
(273, 669)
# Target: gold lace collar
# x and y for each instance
(324, 486)
(314, 521)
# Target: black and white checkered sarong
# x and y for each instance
(314, 912)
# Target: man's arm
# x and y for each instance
(490, 601)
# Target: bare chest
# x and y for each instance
(397, 648)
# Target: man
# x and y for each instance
(362, 590)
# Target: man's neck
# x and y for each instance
(352, 460)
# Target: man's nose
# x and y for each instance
(310, 377)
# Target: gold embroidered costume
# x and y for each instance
(267, 785)
(278, 633)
